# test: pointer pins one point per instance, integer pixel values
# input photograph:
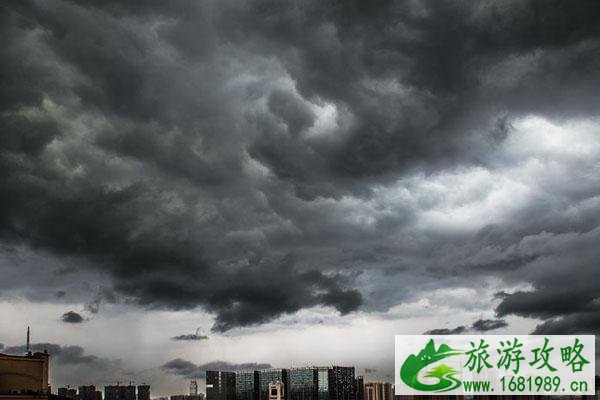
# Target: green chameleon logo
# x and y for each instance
(409, 371)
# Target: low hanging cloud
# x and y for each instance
(481, 325)
(72, 317)
(191, 336)
(189, 370)
(447, 331)
(484, 325)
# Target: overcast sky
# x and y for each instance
(221, 184)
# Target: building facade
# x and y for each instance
(24, 374)
(276, 391)
(143, 392)
(341, 383)
(220, 385)
(379, 391)
(322, 383)
(118, 392)
(247, 385)
(67, 392)
(303, 384)
(272, 375)
(359, 388)
(89, 393)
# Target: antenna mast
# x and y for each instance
(28, 340)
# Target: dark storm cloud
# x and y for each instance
(184, 368)
(484, 325)
(191, 336)
(72, 317)
(447, 331)
(481, 325)
(102, 295)
(187, 171)
(189, 370)
(443, 55)
(564, 294)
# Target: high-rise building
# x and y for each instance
(118, 392)
(247, 385)
(272, 375)
(68, 392)
(359, 388)
(198, 396)
(373, 391)
(388, 391)
(303, 383)
(220, 385)
(322, 383)
(276, 391)
(143, 392)
(89, 393)
(379, 391)
(341, 383)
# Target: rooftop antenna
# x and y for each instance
(28, 335)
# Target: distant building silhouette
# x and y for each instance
(118, 392)
(143, 392)
(67, 392)
(89, 393)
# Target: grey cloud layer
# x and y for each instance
(237, 155)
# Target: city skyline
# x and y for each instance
(296, 383)
(215, 184)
